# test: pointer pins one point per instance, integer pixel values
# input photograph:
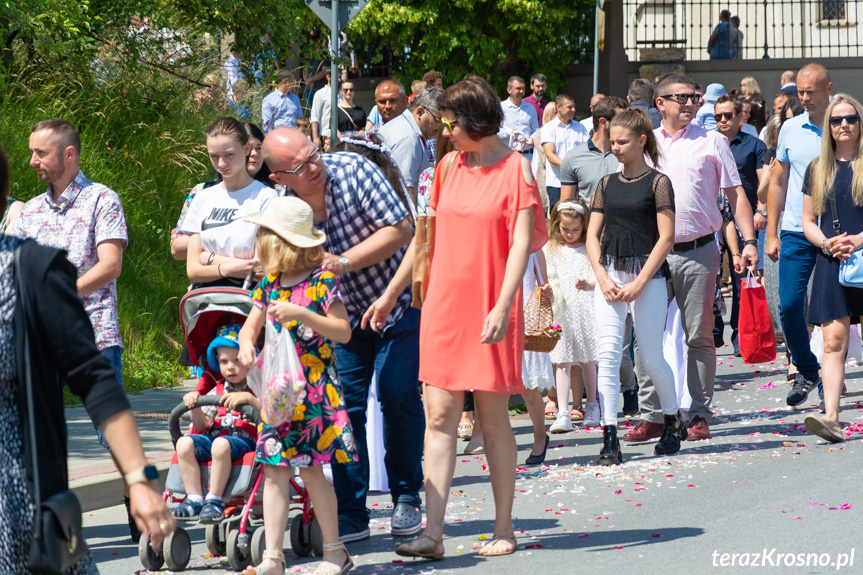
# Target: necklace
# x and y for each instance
(629, 179)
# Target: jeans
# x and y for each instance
(394, 358)
(693, 285)
(553, 196)
(648, 315)
(735, 305)
(115, 356)
(796, 262)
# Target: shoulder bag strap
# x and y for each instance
(349, 117)
(451, 157)
(831, 197)
(28, 389)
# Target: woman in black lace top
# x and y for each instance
(631, 231)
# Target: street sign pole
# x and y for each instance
(336, 14)
(334, 75)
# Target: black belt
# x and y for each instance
(686, 246)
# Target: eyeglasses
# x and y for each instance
(681, 98)
(726, 115)
(301, 169)
(837, 120)
(449, 125)
(437, 118)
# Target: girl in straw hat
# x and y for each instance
(298, 295)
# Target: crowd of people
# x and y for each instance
(621, 221)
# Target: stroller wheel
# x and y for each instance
(151, 559)
(300, 541)
(259, 543)
(316, 536)
(178, 550)
(239, 555)
(215, 540)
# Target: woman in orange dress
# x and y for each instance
(488, 220)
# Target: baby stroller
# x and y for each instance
(202, 313)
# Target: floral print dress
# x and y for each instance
(320, 432)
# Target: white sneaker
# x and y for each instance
(561, 424)
(591, 415)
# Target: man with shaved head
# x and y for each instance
(799, 143)
(367, 235)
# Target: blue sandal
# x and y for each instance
(188, 510)
(213, 511)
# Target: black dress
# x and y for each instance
(831, 300)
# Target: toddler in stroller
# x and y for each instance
(220, 434)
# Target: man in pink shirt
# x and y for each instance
(699, 164)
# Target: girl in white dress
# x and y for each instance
(536, 368)
(571, 277)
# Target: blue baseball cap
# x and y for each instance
(227, 336)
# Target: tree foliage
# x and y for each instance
(492, 38)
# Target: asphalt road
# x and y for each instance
(762, 488)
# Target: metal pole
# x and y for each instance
(595, 49)
(334, 75)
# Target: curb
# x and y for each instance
(106, 490)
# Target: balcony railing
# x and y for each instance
(769, 28)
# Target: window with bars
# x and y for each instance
(833, 9)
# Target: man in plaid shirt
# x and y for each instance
(367, 235)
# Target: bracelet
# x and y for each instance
(824, 247)
(736, 255)
(750, 243)
(220, 270)
(210, 259)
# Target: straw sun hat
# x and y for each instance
(291, 219)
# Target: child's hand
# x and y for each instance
(583, 285)
(190, 399)
(546, 291)
(232, 400)
(285, 311)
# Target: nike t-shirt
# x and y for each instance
(217, 215)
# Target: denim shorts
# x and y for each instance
(204, 446)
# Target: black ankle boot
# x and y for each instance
(672, 434)
(610, 454)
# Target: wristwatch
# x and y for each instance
(824, 247)
(762, 212)
(345, 263)
(750, 243)
(142, 475)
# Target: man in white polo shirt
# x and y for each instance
(519, 119)
(559, 136)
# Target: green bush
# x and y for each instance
(142, 136)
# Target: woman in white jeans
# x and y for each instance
(631, 232)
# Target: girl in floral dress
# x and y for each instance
(298, 295)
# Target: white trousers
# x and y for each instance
(648, 317)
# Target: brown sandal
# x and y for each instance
(404, 551)
(497, 537)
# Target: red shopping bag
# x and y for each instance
(754, 329)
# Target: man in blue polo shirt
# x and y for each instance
(799, 144)
(748, 152)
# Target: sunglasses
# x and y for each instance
(726, 115)
(449, 125)
(837, 120)
(348, 89)
(301, 169)
(681, 98)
